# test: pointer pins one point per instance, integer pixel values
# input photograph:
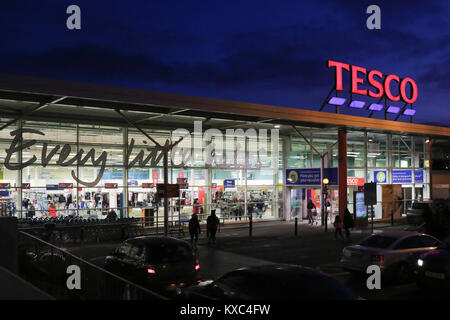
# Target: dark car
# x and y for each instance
(433, 268)
(270, 282)
(161, 264)
(416, 214)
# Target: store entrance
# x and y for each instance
(299, 198)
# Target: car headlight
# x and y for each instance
(420, 262)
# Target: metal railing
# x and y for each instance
(45, 266)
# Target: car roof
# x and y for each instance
(399, 234)
(157, 240)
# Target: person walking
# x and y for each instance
(212, 223)
(310, 206)
(194, 229)
(338, 228)
(348, 222)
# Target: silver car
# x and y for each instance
(395, 252)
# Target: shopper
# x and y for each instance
(348, 222)
(52, 210)
(310, 207)
(31, 211)
(338, 228)
(194, 229)
(212, 224)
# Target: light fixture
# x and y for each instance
(325, 181)
(376, 107)
(409, 112)
(357, 104)
(277, 126)
(427, 141)
(393, 109)
(337, 101)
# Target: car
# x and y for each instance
(395, 252)
(433, 268)
(161, 264)
(415, 214)
(270, 282)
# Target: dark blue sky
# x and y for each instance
(269, 52)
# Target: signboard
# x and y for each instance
(380, 176)
(26, 186)
(133, 183)
(360, 206)
(311, 176)
(111, 185)
(353, 181)
(65, 185)
(213, 185)
(379, 85)
(229, 183)
(148, 185)
(418, 176)
(155, 176)
(401, 176)
(172, 190)
(4, 185)
(52, 187)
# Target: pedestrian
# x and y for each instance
(31, 211)
(310, 207)
(194, 229)
(338, 228)
(348, 222)
(212, 223)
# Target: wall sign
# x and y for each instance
(229, 183)
(310, 177)
(380, 176)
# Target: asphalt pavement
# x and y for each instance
(276, 242)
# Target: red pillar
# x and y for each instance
(342, 171)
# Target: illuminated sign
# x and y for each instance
(353, 181)
(380, 176)
(379, 87)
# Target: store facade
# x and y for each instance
(86, 151)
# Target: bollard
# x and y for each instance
(296, 226)
(250, 224)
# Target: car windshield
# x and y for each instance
(378, 241)
(164, 253)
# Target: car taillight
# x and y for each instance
(197, 267)
(377, 259)
(151, 271)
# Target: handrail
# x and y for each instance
(94, 266)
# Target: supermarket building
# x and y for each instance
(89, 149)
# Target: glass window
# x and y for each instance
(378, 241)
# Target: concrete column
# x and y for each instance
(9, 243)
(342, 171)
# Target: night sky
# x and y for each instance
(268, 52)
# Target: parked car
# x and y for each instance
(433, 268)
(415, 214)
(161, 264)
(395, 252)
(272, 282)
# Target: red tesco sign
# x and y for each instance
(359, 75)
